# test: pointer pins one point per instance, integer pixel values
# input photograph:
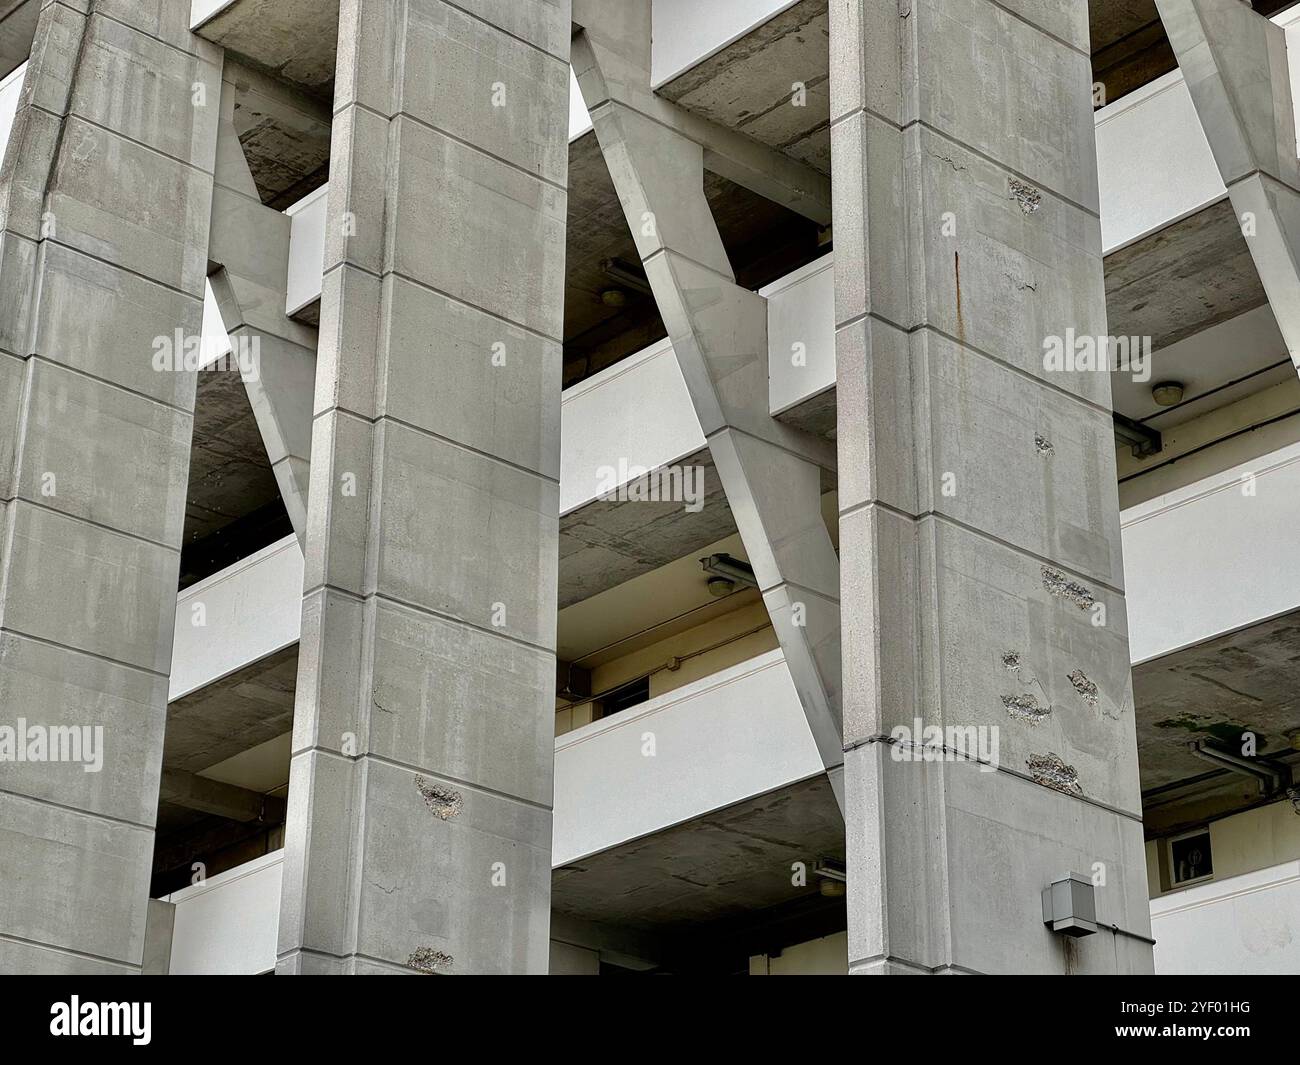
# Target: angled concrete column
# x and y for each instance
(418, 833)
(105, 197)
(771, 472)
(979, 529)
(1235, 65)
(277, 356)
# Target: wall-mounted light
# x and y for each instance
(1070, 906)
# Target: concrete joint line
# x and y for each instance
(1045, 32)
(803, 589)
(729, 427)
(999, 164)
(477, 149)
(198, 297)
(416, 608)
(77, 371)
(69, 953)
(474, 16)
(430, 434)
(663, 251)
(127, 139)
(934, 515)
(108, 818)
(961, 756)
(1265, 175)
(421, 770)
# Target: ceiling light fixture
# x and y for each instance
(1167, 393)
(726, 574)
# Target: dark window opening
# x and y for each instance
(1190, 858)
(621, 698)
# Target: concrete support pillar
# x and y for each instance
(418, 832)
(1235, 64)
(772, 473)
(979, 530)
(277, 356)
(105, 197)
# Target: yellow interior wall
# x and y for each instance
(1255, 839)
(1243, 843)
(721, 630)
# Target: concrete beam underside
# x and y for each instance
(1235, 63)
(771, 472)
(94, 452)
(418, 832)
(979, 524)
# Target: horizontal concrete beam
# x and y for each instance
(215, 797)
(754, 166)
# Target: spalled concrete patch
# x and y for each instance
(1058, 583)
(1029, 198)
(1011, 659)
(1051, 772)
(1043, 445)
(1025, 708)
(1084, 687)
(428, 960)
(444, 801)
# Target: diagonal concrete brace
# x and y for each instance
(772, 473)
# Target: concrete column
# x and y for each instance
(772, 473)
(1235, 64)
(105, 196)
(277, 355)
(981, 575)
(418, 833)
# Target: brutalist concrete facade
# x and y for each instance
(415, 438)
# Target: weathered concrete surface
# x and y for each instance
(276, 355)
(1219, 691)
(293, 40)
(608, 542)
(419, 825)
(1235, 64)
(771, 473)
(749, 86)
(979, 523)
(284, 132)
(1182, 280)
(731, 862)
(237, 712)
(95, 441)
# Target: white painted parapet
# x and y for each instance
(306, 250)
(697, 764)
(1248, 925)
(801, 334)
(637, 411)
(236, 617)
(1214, 556)
(227, 925)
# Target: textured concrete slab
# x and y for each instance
(729, 863)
